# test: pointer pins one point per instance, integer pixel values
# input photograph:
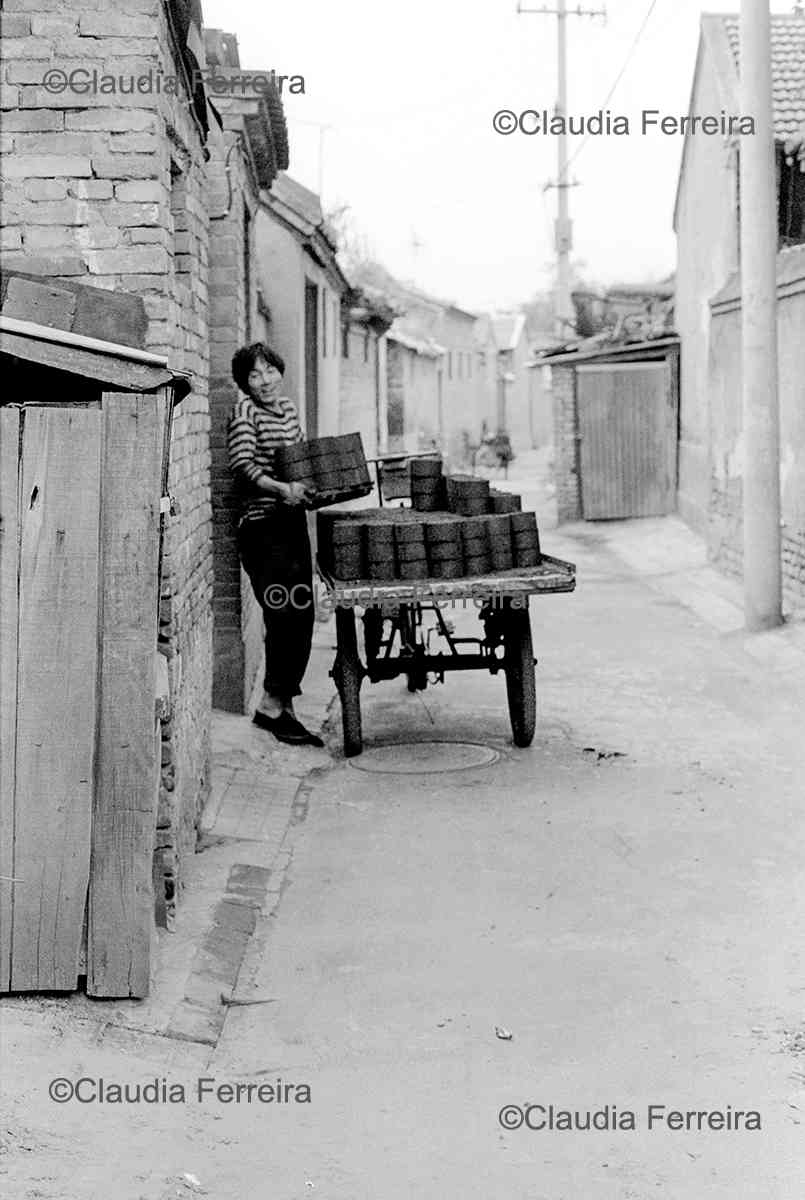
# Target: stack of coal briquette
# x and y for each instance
(334, 468)
(398, 543)
(412, 550)
(427, 485)
(504, 502)
(464, 495)
(525, 539)
(467, 495)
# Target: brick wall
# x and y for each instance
(565, 437)
(725, 541)
(232, 199)
(108, 188)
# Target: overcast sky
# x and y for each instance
(409, 90)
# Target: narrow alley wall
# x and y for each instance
(724, 526)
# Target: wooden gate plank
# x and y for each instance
(121, 905)
(56, 710)
(9, 566)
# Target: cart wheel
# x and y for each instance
(521, 688)
(348, 675)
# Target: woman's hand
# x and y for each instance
(294, 494)
(297, 493)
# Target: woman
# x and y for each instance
(272, 536)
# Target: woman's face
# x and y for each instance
(264, 380)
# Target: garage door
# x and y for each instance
(628, 436)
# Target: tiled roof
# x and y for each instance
(788, 67)
(425, 346)
(305, 204)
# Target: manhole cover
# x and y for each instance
(424, 758)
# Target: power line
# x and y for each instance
(619, 77)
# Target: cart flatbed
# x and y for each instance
(552, 575)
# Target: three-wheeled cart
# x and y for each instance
(396, 642)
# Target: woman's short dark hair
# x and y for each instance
(247, 356)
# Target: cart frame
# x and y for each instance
(502, 600)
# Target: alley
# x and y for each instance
(607, 919)
(503, 300)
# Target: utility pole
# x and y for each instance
(759, 239)
(563, 304)
(564, 226)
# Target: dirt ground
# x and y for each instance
(609, 920)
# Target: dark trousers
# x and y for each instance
(275, 552)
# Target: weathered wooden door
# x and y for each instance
(79, 545)
(49, 573)
(628, 440)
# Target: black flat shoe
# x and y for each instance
(285, 728)
(307, 738)
(311, 739)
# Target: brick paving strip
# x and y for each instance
(200, 1015)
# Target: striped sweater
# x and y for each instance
(255, 431)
